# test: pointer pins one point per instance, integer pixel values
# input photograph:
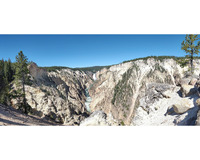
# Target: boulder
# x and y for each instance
(193, 81)
(182, 106)
(187, 90)
(198, 102)
(167, 94)
(155, 91)
(185, 81)
(198, 119)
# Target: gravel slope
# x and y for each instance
(11, 116)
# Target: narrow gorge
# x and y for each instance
(88, 98)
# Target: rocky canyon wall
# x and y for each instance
(59, 95)
(125, 89)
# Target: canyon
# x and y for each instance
(142, 92)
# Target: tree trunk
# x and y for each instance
(191, 61)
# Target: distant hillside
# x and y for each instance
(94, 69)
(85, 69)
(160, 58)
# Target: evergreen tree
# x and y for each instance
(21, 76)
(1, 74)
(6, 76)
(8, 71)
(190, 48)
(5, 70)
(2, 83)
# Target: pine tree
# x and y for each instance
(1, 74)
(2, 82)
(6, 76)
(8, 71)
(190, 48)
(21, 76)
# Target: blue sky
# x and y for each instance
(88, 50)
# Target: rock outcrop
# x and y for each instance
(99, 118)
(182, 106)
(59, 95)
(188, 90)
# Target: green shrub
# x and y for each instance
(122, 123)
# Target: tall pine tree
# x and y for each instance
(190, 48)
(21, 76)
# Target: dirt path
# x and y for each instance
(11, 116)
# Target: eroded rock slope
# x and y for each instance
(59, 95)
(141, 92)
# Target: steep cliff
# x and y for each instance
(125, 89)
(59, 95)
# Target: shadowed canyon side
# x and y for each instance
(149, 91)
